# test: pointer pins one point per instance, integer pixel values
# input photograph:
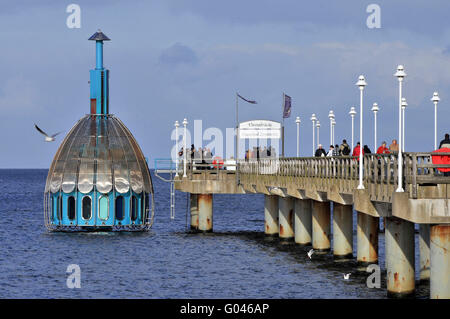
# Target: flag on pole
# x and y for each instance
(248, 101)
(287, 106)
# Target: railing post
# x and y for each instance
(414, 176)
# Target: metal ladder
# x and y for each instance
(166, 166)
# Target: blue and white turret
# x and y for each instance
(99, 178)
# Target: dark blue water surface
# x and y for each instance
(236, 261)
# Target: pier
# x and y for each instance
(302, 193)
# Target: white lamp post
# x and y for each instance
(361, 84)
(400, 74)
(352, 114)
(333, 123)
(185, 122)
(375, 110)
(314, 119)
(176, 146)
(331, 117)
(404, 105)
(435, 100)
(297, 121)
(318, 132)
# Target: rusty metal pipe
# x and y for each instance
(194, 211)
(440, 261)
(400, 259)
(367, 239)
(321, 226)
(303, 221)
(286, 217)
(342, 231)
(271, 215)
(424, 248)
(205, 212)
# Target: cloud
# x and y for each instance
(415, 15)
(178, 54)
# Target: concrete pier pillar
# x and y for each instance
(440, 261)
(194, 211)
(424, 248)
(321, 226)
(286, 217)
(303, 221)
(271, 215)
(400, 260)
(205, 212)
(342, 231)
(367, 239)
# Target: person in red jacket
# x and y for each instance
(356, 150)
(383, 149)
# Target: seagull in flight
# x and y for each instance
(310, 253)
(347, 276)
(48, 138)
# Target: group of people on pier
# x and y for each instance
(201, 157)
(344, 149)
(258, 153)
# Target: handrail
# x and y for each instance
(379, 169)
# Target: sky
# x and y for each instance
(174, 59)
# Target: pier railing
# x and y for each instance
(380, 172)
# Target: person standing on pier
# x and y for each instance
(336, 151)
(445, 143)
(356, 151)
(330, 151)
(383, 149)
(394, 146)
(344, 149)
(320, 152)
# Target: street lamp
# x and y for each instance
(314, 119)
(352, 114)
(435, 100)
(331, 117)
(400, 74)
(361, 84)
(404, 105)
(297, 120)
(318, 132)
(375, 110)
(185, 122)
(333, 123)
(176, 146)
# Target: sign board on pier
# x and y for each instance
(260, 129)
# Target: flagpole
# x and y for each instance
(282, 138)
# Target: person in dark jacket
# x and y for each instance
(445, 142)
(320, 152)
(367, 149)
(344, 149)
(336, 150)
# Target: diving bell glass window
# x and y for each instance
(120, 208)
(71, 208)
(103, 208)
(87, 207)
